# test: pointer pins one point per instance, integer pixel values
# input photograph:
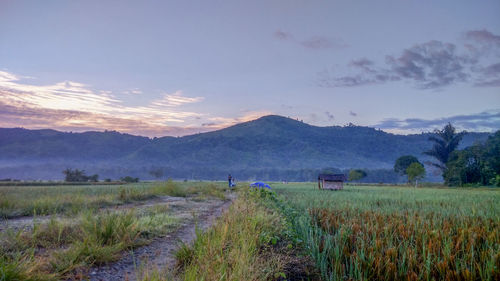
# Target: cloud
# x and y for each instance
(76, 96)
(490, 76)
(366, 76)
(6, 77)
(483, 121)
(133, 92)
(483, 37)
(319, 42)
(329, 116)
(71, 105)
(430, 65)
(313, 43)
(216, 123)
(174, 100)
(364, 64)
(209, 124)
(282, 35)
(69, 120)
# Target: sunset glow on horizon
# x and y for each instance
(171, 68)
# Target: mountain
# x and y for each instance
(269, 143)
(22, 144)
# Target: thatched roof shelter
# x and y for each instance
(331, 181)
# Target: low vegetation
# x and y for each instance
(295, 232)
(18, 201)
(230, 250)
(67, 246)
(61, 249)
(76, 175)
(250, 242)
(396, 233)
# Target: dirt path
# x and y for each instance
(160, 253)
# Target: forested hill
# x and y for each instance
(270, 142)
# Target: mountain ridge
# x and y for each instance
(270, 142)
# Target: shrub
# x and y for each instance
(129, 179)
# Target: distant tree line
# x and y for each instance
(279, 174)
(356, 175)
(129, 179)
(78, 176)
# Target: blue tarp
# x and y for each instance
(260, 184)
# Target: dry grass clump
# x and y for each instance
(60, 249)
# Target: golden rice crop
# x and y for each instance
(369, 245)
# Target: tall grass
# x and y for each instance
(57, 249)
(46, 200)
(232, 249)
(396, 233)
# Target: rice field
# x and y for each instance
(397, 233)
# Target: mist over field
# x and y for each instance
(269, 148)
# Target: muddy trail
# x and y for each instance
(159, 254)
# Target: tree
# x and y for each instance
(415, 172)
(492, 152)
(445, 142)
(78, 176)
(476, 164)
(157, 173)
(330, 171)
(403, 162)
(94, 178)
(129, 179)
(357, 174)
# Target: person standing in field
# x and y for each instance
(230, 179)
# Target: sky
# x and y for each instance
(158, 68)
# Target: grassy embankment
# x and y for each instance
(62, 248)
(18, 201)
(397, 233)
(251, 241)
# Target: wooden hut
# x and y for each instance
(331, 182)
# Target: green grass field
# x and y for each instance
(18, 201)
(81, 232)
(396, 233)
(359, 233)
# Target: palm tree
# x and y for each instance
(445, 142)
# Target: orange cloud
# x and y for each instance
(73, 106)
